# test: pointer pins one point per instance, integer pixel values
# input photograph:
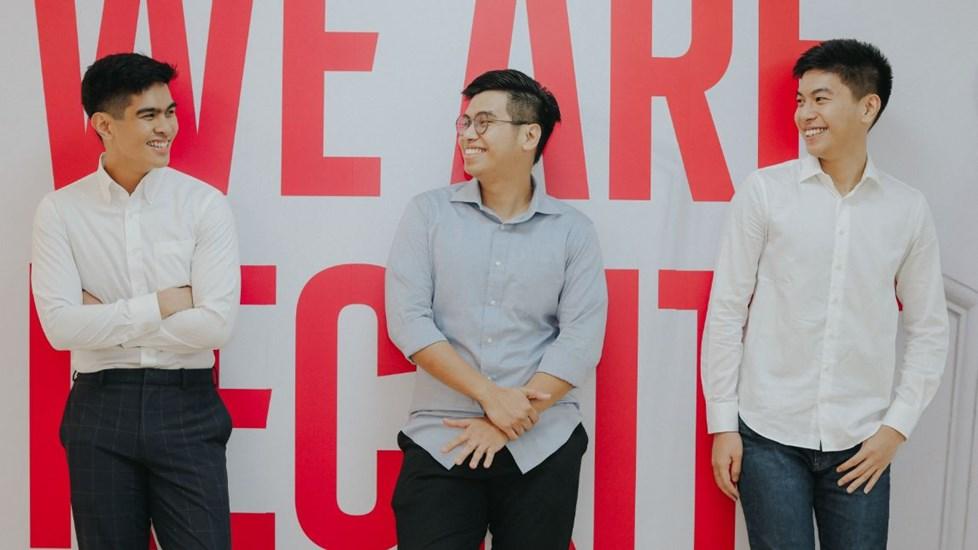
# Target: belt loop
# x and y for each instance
(184, 379)
(74, 375)
(101, 378)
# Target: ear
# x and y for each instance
(870, 107)
(531, 136)
(102, 124)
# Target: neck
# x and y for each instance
(509, 197)
(123, 175)
(847, 170)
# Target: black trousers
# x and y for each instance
(439, 509)
(148, 445)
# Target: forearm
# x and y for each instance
(70, 326)
(187, 331)
(447, 366)
(548, 384)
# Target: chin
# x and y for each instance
(472, 170)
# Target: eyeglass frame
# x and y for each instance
(461, 127)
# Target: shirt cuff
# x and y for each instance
(902, 418)
(568, 367)
(416, 336)
(722, 416)
(145, 311)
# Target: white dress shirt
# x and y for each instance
(800, 339)
(173, 230)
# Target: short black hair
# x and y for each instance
(861, 66)
(110, 81)
(528, 100)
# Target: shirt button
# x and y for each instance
(492, 302)
(489, 340)
(498, 263)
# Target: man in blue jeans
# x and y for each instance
(799, 368)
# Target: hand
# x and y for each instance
(479, 438)
(728, 452)
(872, 459)
(89, 299)
(509, 409)
(175, 299)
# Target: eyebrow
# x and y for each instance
(154, 110)
(817, 91)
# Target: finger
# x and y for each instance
(721, 477)
(735, 469)
(477, 456)
(510, 433)
(873, 480)
(526, 424)
(859, 482)
(465, 452)
(534, 416)
(531, 393)
(457, 422)
(489, 456)
(454, 443)
(853, 461)
(728, 487)
(855, 473)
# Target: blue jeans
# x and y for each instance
(781, 485)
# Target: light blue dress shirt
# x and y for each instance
(513, 298)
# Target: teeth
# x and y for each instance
(473, 150)
(157, 144)
(813, 132)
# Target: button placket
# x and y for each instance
(840, 253)
(495, 282)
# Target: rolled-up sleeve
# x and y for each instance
(734, 281)
(920, 288)
(409, 285)
(582, 310)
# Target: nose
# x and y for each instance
(167, 125)
(805, 112)
(469, 134)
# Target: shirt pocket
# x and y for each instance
(171, 262)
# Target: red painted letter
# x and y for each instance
(307, 51)
(778, 48)
(713, 522)
(683, 81)
(316, 320)
(616, 417)
(553, 64)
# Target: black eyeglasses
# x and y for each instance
(481, 123)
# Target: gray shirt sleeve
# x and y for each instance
(581, 312)
(409, 284)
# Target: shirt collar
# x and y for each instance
(146, 188)
(540, 202)
(810, 168)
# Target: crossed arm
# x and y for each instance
(509, 412)
(179, 319)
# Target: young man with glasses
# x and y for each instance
(497, 291)
(135, 271)
(799, 370)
